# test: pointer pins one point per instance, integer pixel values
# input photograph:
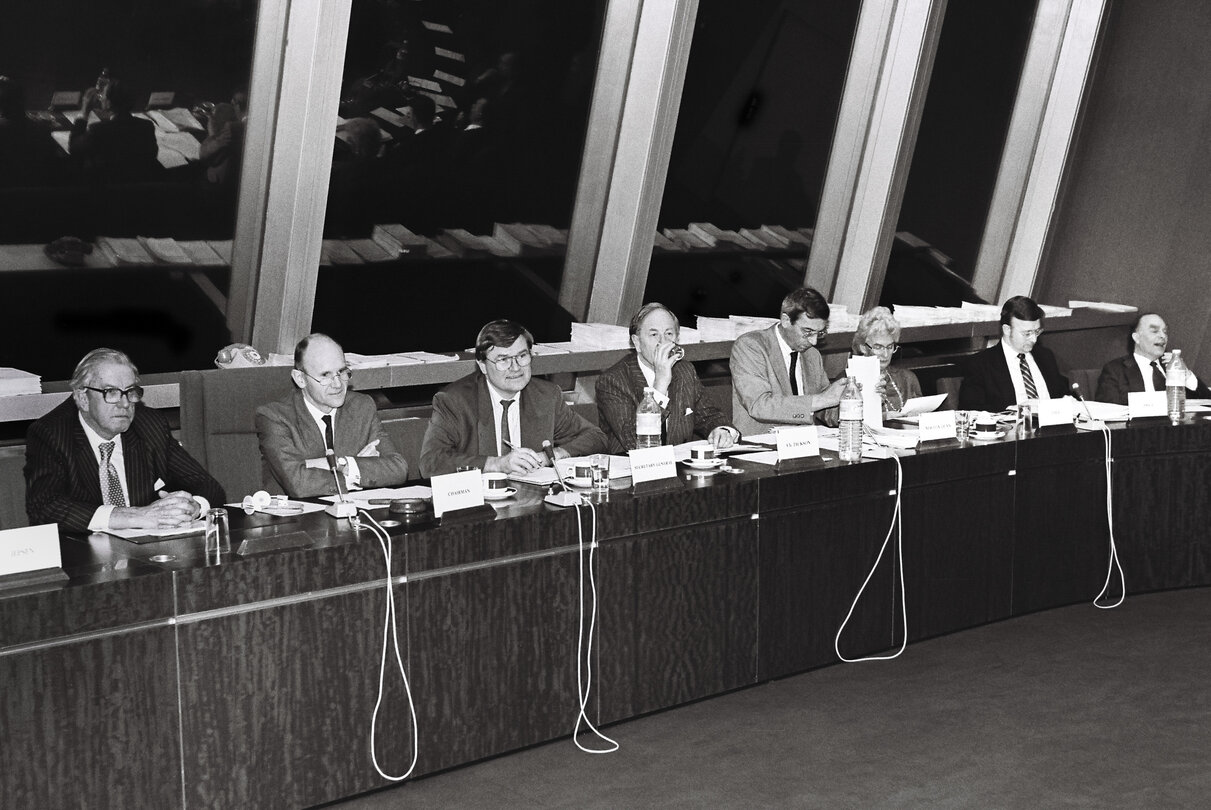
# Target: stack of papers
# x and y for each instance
(121, 251)
(1103, 305)
(357, 361)
(600, 336)
(165, 249)
(715, 329)
(749, 323)
(14, 381)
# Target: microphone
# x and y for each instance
(342, 508)
(567, 497)
(1090, 423)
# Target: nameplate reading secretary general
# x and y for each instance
(497, 417)
(322, 429)
(103, 460)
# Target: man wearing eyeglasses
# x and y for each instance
(322, 430)
(778, 374)
(1015, 369)
(100, 460)
(497, 418)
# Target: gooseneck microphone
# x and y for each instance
(342, 508)
(1090, 423)
(550, 452)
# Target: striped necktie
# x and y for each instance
(1027, 378)
(111, 485)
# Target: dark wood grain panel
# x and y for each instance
(84, 606)
(958, 553)
(245, 580)
(91, 724)
(277, 704)
(813, 561)
(698, 499)
(679, 617)
(481, 540)
(823, 483)
(495, 658)
(1162, 515)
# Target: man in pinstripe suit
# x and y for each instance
(100, 460)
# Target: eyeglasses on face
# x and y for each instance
(881, 348)
(114, 395)
(809, 333)
(330, 378)
(1031, 333)
(521, 358)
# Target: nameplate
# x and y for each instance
(32, 548)
(937, 425)
(460, 490)
(1056, 411)
(652, 464)
(800, 441)
(1146, 403)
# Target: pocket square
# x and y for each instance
(689, 411)
(158, 485)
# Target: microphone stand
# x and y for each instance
(342, 508)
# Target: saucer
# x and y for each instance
(987, 437)
(499, 494)
(580, 483)
(705, 464)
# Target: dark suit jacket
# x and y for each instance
(63, 485)
(289, 436)
(620, 390)
(121, 149)
(1122, 375)
(987, 385)
(462, 430)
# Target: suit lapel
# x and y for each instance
(535, 426)
(485, 419)
(780, 369)
(312, 439)
(85, 460)
(136, 458)
(1135, 380)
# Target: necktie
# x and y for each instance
(505, 436)
(794, 373)
(329, 441)
(1027, 378)
(111, 486)
(1158, 377)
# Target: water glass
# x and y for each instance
(218, 534)
(600, 465)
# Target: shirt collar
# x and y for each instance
(95, 440)
(786, 349)
(497, 396)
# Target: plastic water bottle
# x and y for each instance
(647, 422)
(850, 444)
(1175, 386)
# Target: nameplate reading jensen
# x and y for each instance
(652, 464)
(33, 548)
(797, 442)
(460, 490)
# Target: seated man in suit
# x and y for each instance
(655, 365)
(1144, 368)
(1015, 369)
(100, 460)
(497, 417)
(323, 430)
(777, 373)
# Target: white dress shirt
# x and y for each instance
(1146, 372)
(514, 418)
(353, 476)
(1015, 374)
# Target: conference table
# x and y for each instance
(154, 679)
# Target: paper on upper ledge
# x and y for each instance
(985, 312)
(1103, 305)
(457, 81)
(431, 357)
(540, 349)
(15, 382)
(1054, 311)
(357, 361)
